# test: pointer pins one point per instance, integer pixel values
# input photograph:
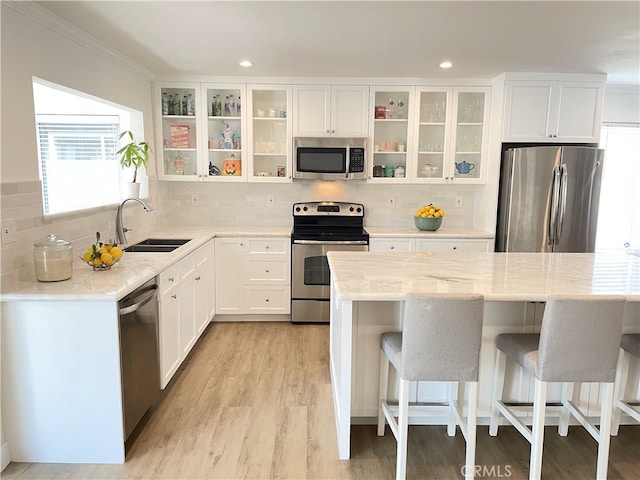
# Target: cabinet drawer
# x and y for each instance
(267, 271)
(201, 255)
(185, 267)
(266, 299)
(269, 245)
(168, 279)
(452, 245)
(392, 245)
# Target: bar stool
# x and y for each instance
(440, 341)
(578, 342)
(630, 345)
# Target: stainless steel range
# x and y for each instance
(318, 228)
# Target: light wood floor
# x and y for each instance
(254, 401)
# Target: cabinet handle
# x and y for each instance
(333, 131)
(171, 279)
(174, 296)
(198, 278)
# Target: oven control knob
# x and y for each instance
(297, 209)
(358, 210)
(351, 209)
(305, 208)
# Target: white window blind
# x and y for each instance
(78, 161)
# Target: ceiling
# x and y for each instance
(367, 38)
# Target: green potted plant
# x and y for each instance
(133, 154)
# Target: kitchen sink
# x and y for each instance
(164, 241)
(157, 245)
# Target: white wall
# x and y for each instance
(621, 104)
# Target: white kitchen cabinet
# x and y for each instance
(330, 110)
(186, 292)
(392, 245)
(270, 137)
(553, 111)
(453, 245)
(451, 135)
(253, 275)
(225, 132)
(179, 157)
(391, 111)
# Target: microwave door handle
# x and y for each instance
(347, 162)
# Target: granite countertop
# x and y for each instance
(412, 232)
(498, 276)
(129, 273)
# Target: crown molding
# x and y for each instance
(65, 28)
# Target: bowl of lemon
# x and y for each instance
(428, 218)
(102, 256)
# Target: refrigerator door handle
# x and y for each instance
(553, 216)
(563, 202)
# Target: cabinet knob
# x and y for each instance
(267, 247)
(174, 296)
(327, 131)
(333, 131)
(198, 278)
(392, 247)
(171, 279)
(267, 300)
(454, 247)
(266, 271)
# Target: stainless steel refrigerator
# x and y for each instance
(548, 200)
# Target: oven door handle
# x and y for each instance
(325, 242)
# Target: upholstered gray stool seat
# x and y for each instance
(630, 345)
(630, 342)
(578, 342)
(440, 341)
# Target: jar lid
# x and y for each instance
(53, 241)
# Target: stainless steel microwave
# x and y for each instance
(329, 163)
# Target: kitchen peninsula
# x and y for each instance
(367, 290)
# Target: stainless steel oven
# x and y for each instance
(320, 227)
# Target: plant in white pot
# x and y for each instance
(133, 154)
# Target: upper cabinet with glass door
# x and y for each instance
(434, 132)
(392, 107)
(469, 140)
(451, 134)
(270, 139)
(178, 157)
(225, 128)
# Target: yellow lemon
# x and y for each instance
(87, 256)
(116, 252)
(97, 261)
(106, 258)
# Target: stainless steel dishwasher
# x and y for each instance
(139, 359)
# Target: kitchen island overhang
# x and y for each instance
(367, 290)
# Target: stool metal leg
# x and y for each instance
(382, 396)
(537, 430)
(403, 429)
(498, 386)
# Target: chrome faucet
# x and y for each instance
(120, 229)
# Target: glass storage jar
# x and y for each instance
(53, 259)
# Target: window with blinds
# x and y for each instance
(77, 148)
(78, 163)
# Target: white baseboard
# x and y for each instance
(5, 456)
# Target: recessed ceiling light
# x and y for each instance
(446, 64)
(246, 63)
